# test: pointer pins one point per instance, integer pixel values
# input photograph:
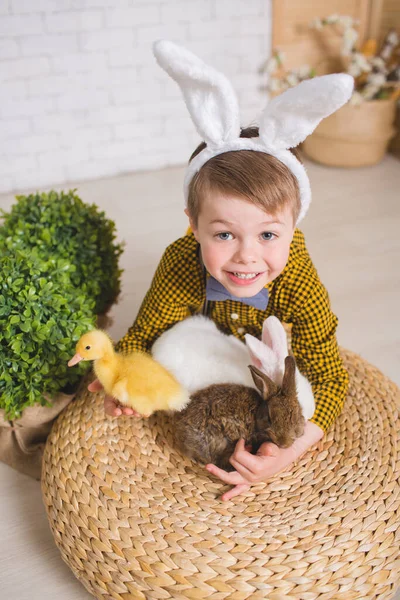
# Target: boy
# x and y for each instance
(242, 208)
(245, 259)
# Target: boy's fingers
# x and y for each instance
(231, 477)
(268, 449)
(244, 459)
(95, 386)
(246, 473)
(111, 407)
(238, 489)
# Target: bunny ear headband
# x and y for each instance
(286, 121)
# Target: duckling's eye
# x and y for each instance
(87, 348)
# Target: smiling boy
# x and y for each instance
(242, 246)
(242, 208)
(245, 259)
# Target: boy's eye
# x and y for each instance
(224, 235)
(267, 235)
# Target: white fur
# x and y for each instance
(199, 355)
(286, 121)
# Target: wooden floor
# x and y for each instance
(353, 235)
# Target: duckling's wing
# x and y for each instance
(120, 391)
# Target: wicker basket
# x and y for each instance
(354, 136)
(136, 520)
(394, 146)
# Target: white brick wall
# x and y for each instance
(82, 97)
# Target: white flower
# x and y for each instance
(356, 99)
(377, 79)
(316, 23)
(369, 91)
(347, 22)
(393, 37)
(354, 69)
(272, 65)
(362, 61)
(274, 62)
(292, 79)
(350, 37)
(281, 57)
(274, 85)
(378, 63)
(303, 72)
(331, 19)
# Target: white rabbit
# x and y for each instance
(199, 355)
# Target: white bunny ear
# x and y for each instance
(259, 353)
(208, 94)
(274, 336)
(290, 117)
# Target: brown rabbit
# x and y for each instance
(208, 429)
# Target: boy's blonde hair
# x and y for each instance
(255, 177)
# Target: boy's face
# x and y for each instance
(242, 246)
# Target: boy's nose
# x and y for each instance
(246, 254)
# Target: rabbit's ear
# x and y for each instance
(264, 384)
(259, 354)
(289, 378)
(290, 117)
(274, 337)
(209, 96)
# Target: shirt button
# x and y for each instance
(234, 316)
(240, 330)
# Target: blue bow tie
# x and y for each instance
(216, 291)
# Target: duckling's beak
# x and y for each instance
(74, 360)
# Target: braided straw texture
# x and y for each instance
(136, 520)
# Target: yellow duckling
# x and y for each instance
(135, 380)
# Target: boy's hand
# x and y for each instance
(250, 468)
(111, 406)
(269, 460)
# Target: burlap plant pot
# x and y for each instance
(22, 441)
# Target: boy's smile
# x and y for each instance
(242, 246)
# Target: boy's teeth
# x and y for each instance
(245, 275)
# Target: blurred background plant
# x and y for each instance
(376, 70)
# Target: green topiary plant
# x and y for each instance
(60, 225)
(42, 316)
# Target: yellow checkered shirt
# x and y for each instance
(296, 296)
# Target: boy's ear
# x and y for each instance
(191, 223)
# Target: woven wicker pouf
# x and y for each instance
(136, 520)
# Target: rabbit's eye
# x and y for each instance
(87, 348)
